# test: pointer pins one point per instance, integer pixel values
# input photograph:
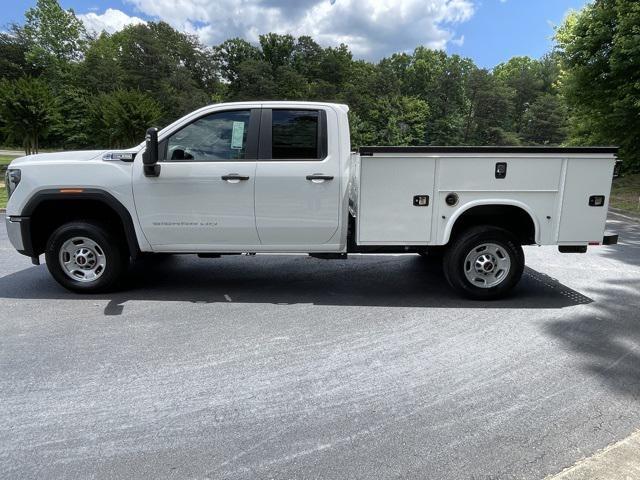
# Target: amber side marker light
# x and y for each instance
(71, 190)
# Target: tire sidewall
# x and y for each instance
(111, 248)
(456, 255)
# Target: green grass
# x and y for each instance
(625, 194)
(3, 197)
(4, 161)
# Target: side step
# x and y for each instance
(329, 256)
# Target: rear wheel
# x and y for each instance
(484, 263)
(85, 256)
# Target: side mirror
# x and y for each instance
(150, 157)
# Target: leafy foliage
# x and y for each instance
(27, 109)
(55, 36)
(600, 52)
(121, 117)
(105, 90)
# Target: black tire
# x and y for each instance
(112, 248)
(456, 265)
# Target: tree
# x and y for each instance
(524, 76)
(232, 53)
(277, 50)
(120, 118)
(172, 67)
(439, 80)
(545, 121)
(254, 81)
(490, 107)
(394, 121)
(55, 36)
(424, 97)
(101, 69)
(13, 50)
(600, 55)
(73, 106)
(27, 112)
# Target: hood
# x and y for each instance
(81, 155)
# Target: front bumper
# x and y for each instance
(14, 232)
(18, 233)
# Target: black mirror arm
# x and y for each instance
(151, 170)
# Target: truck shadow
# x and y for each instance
(370, 280)
(606, 338)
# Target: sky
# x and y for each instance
(488, 31)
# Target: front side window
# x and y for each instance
(219, 136)
(294, 134)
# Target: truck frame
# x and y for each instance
(263, 177)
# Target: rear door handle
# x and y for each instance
(319, 177)
(234, 178)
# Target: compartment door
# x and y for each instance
(392, 193)
(579, 221)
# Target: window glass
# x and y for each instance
(216, 137)
(294, 134)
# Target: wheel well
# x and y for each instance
(508, 217)
(52, 213)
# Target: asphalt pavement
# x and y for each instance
(287, 367)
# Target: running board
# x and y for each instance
(329, 256)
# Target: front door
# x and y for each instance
(297, 178)
(203, 199)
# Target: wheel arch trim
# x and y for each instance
(81, 194)
(487, 203)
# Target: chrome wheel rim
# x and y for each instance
(82, 259)
(487, 265)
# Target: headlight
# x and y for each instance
(11, 180)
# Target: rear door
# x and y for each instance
(297, 187)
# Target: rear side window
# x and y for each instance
(219, 136)
(295, 134)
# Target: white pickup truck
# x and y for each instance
(280, 177)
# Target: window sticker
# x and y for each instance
(237, 134)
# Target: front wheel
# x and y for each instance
(484, 263)
(85, 257)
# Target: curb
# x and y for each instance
(624, 214)
(619, 461)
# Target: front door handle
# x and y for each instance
(319, 177)
(234, 178)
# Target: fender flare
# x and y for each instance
(83, 194)
(488, 202)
